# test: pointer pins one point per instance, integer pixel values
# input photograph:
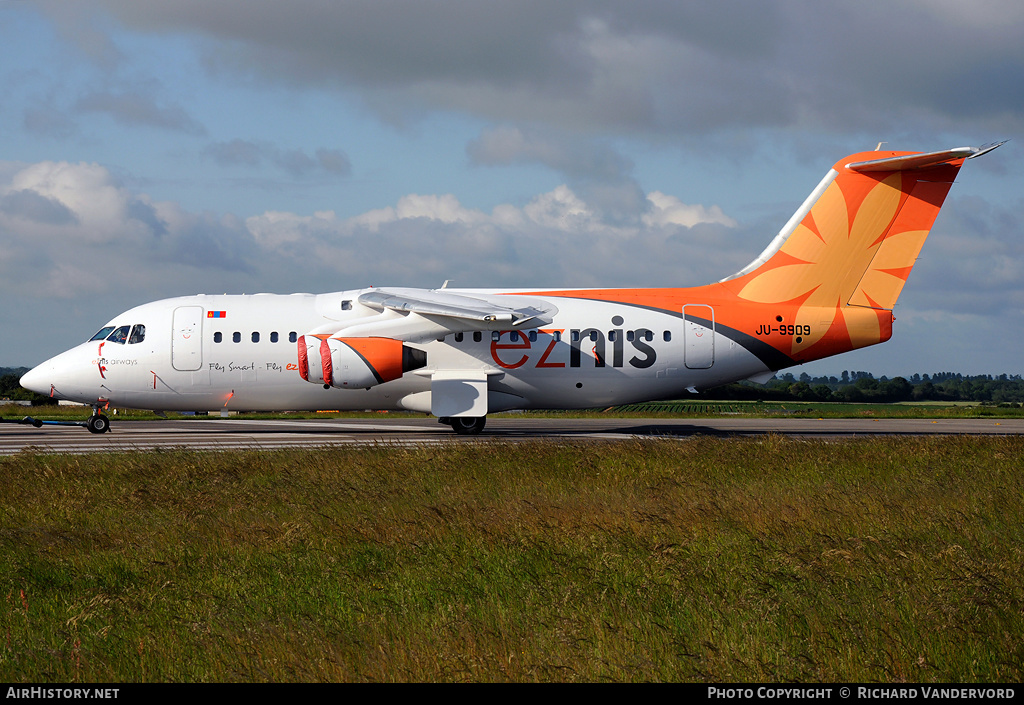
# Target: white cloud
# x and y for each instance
(75, 232)
(74, 227)
(444, 209)
(669, 210)
(561, 210)
(96, 205)
(275, 229)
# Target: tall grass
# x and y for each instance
(719, 560)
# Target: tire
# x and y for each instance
(98, 423)
(468, 425)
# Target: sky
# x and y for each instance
(151, 149)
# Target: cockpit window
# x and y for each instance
(138, 334)
(102, 335)
(119, 336)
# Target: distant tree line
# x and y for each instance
(11, 389)
(861, 386)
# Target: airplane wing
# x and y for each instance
(463, 311)
(368, 350)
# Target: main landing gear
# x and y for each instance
(465, 425)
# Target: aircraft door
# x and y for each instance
(187, 338)
(698, 336)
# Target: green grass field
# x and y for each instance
(700, 560)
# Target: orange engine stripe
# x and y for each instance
(383, 355)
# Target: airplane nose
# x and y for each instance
(67, 376)
(36, 380)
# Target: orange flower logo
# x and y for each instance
(832, 259)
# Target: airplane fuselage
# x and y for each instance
(202, 353)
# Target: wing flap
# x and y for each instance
(476, 311)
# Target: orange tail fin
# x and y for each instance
(854, 241)
(856, 238)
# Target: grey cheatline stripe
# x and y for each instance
(772, 358)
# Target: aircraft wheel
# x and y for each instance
(98, 423)
(468, 425)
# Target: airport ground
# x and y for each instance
(625, 549)
(217, 434)
(133, 430)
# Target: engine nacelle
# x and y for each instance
(314, 352)
(356, 363)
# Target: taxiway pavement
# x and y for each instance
(231, 434)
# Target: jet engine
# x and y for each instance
(355, 363)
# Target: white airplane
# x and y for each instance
(825, 285)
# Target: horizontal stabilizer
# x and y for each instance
(922, 161)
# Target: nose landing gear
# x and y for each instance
(98, 423)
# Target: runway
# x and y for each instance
(232, 434)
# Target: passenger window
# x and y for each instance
(103, 333)
(667, 336)
(495, 335)
(217, 337)
(293, 337)
(119, 336)
(514, 336)
(138, 334)
(477, 336)
(575, 336)
(255, 337)
(533, 336)
(557, 335)
(630, 335)
(458, 337)
(236, 337)
(273, 337)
